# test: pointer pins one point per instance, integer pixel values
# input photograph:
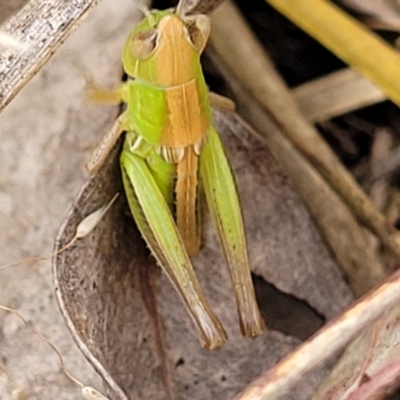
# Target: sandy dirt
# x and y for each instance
(47, 134)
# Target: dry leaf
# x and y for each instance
(129, 321)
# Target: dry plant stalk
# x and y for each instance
(380, 14)
(333, 336)
(239, 45)
(347, 239)
(337, 334)
(202, 6)
(384, 167)
(336, 94)
(368, 369)
(381, 147)
(332, 27)
(40, 27)
(272, 93)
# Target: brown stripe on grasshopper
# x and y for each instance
(186, 200)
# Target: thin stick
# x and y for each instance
(333, 336)
(39, 258)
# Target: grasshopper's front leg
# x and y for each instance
(149, 185)
(107, 143)
(223, 203)
(113, 96)
(102, 95)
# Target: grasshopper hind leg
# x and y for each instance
(154, 219)
(223, 203)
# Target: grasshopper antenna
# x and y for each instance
(145, 10)
(186, 7)
(180, 8)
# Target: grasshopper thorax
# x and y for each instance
(164, 48)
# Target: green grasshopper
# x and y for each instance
(171, 152)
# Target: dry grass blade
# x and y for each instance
(336, 94)
(40, 27)
(369, 368)
(380, 151)
(348, 240)
(201, 6)
(332, 27)
(333, 336)
(385, 167)
(381, 14)
(237, 46)
(345, 236)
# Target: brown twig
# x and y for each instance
(333, 336)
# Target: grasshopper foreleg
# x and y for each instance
(101, 95)
(221, 102)
(107, 143)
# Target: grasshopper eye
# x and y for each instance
(198, 31)
(144, 43)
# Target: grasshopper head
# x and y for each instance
(164, 48)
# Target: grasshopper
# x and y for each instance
(172, 152)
